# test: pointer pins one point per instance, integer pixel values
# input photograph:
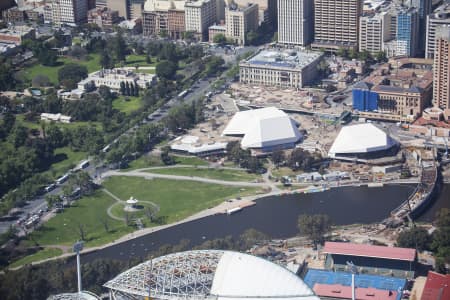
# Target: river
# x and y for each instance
(277, 217)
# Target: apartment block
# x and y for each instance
(441, 16)
(374, 31)
(295, 22)
(441, 68)
(68, 12)
(199, 15)
(336, 24)
(240, 20)
(162, 17)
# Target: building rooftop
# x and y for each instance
(385, 252)
(210, 274)
(435, 286)
(292, 59)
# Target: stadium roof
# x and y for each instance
(84, 295)
(210, 274)
(361, 138)
(264, 127)
(435, 286)
(385, 252)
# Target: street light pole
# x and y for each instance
(77, 247)
(354, 270)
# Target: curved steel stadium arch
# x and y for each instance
(208, 274)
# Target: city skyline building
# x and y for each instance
(336, 24)
(199, 16)
(295, 22)
(408, 30)
(68, 12)
(374, 31)
(240, 20)
(441, 68)
(441, 16)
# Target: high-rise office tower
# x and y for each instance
(240, 20)
(70, 12)
(199, 15)
(441, 68)
(408, 30)
(441, 16)
(424, 9)
(374, 30)
(336, 24)
(295, 22)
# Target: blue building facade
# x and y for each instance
(407, 30)
(363, 98)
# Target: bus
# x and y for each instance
(183, 94)
(84, 164)
(62, 179)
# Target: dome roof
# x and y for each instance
(210, 274)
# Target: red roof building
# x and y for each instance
(394, 253)
(437, 287)
(345, 292)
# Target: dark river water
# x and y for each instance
(277, 217)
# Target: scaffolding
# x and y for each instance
(179, 275)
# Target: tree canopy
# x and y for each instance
(314, 226)
(70, 74)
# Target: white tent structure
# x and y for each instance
(360, 138)
(209, 274)
(263, 128)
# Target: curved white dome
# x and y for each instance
(210, 274)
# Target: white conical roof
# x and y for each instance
(361, 138)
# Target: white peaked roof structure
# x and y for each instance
(360, 138)
(264, 127)
(209, 274)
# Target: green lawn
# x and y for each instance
(127, 107)
(40, 255)
(284, 171)
(92, 64)
(221, 174)
(70, 159)
(37, 124)
(139, 60)
(177, 199)
(148, 161)
(118, 211)
(89, 211)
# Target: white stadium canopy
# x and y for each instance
(264, 127)
(360, 138)
(209, 274)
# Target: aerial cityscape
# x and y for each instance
(225, 149)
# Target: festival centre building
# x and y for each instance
(266, 129)
(362, 141)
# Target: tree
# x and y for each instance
(381, 56)
(165, 157)
(151, 212)
(342, 52)
(18, 136)
(40, 81)
(77, 52)
(314, 226)
(119, 47)
(166, 69)
(105, 60)
(417, 238)
(82, 231)
(6, 77)
(220, 39)
(70, 74)
(52, 200)
(441, 238)
(122, 88)
(278, 157)
(148, 59)
(105, 93)
(252, 37)
(127, 88)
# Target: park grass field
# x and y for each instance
(40, 255)
(177, 199)
(91, 211)
(148, 161)
(69, 159)
(138, 60)
(212, 173)
(127, 107)
(92, 64)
